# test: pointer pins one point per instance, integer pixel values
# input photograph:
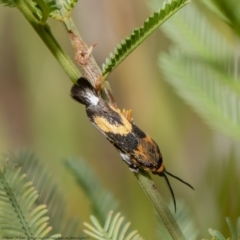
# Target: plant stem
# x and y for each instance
(157, 200)
(46, 35)
(90, 68)
(89, 65)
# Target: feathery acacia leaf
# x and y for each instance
(64, 10)
(235, 233)
(18, 216)
(112, 229)
(140, 34)
(101, 200)
(216, 234)
(49, 193)
(46, 7)
(205, 72)
(232, 229)
(218, 11)
(215, 101)
(40, 8)
(8, 3)
(191, 31)
(226, 10)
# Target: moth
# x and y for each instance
(136, 149)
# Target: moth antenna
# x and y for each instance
(179, 179)
(170, 188)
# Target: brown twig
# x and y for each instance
(83, 56)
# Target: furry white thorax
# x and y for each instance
(93, 99)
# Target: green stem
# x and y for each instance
(70, 26)
(46, 35)
(157, 200)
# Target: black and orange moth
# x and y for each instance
(136, 148)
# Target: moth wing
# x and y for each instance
(125, 135)
(147, 153)
(113, 125)
(131, 140)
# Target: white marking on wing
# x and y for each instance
(93, 99)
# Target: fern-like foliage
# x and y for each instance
(49, 193)
(234, 230)
(113, 229)
(18, 216)
(226, 10)
(65, 9)
(101, 200)
(41, 9)
(191, 32)
(185, 222)
(8, 3)
(46, 8)
(205, 71)
(140, 34)
(213, 6)
(203, 88)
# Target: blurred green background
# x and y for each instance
(37, 112)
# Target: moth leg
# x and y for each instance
(98, 84)
(104, 90)
(127, 159)
(134, 169)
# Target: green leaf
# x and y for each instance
(46, 7)
(101, 200)
(18, 216)
(227, 10)
(8, 3)
(217, 235)
(192, 32)
(205, 71)
(113, 229)
(41, 9)
(216, 102)
(140, 34)
(49, 193)
(238, 227)
(213, 7)
(232, 229)
(64, 11)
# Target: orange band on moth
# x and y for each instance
(105, 126)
